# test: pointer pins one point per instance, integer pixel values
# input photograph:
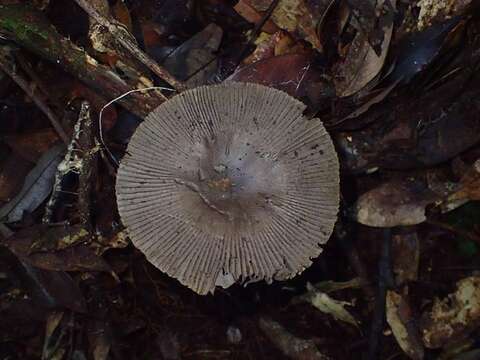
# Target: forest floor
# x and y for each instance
(396, 84)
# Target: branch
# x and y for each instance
(30, 29)
(121, 35)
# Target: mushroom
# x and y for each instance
(229, 183)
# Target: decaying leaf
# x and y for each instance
(362, 64)
(453, 317)
(403, 326)
(291, 346)
(37, 186)
(327, 305)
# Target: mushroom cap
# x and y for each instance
(229, 183)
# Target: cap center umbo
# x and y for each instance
(231, 184)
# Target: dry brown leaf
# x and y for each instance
(400, 320)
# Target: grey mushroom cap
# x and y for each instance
(229, 183)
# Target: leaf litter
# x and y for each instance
(394, 82)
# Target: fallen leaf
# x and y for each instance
(37, 186)
(293, 73)
(403, 326)
(414, 132)
(291, 346)
(195, 60)
(453, 317)
(294, 16)
(362, 64)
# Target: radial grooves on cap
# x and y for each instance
(171, 226)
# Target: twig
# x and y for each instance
(5, 65)
(385, 281)
(124, 39)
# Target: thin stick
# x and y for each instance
(100, 131)
(20, 81)
(123, 38)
